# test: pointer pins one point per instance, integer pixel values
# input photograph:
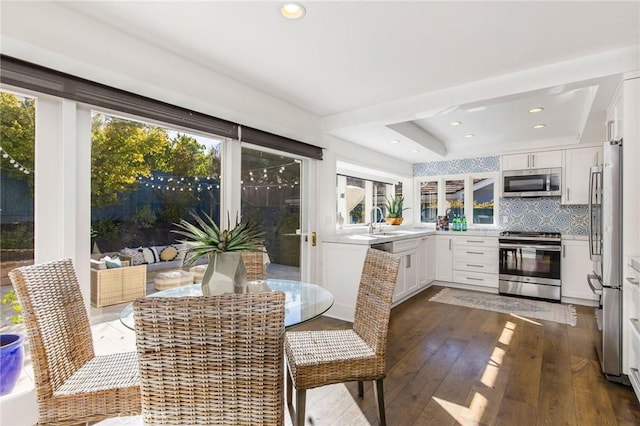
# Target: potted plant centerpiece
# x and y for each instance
(226, 272)
(394, 206)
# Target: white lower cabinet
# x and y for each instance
(574, 267)
(444, 263)
(407, 281)
(426, 262)
(475, 261)
(631, 310)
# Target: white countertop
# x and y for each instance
(396, 234)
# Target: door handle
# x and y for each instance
(314, 239)
(596, 289)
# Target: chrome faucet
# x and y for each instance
(374, 216)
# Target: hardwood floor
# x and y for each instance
(449, 365)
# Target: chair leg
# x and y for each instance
(360, 388)
(301, 399)
(380, 401)
(289, 387)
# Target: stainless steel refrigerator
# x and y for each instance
(605, 246)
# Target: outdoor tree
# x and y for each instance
(122, 150)
(17, 136)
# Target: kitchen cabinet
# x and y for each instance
(532, 160)
(576, 170)
(407, 282)
(427, 260)
(475, 261)
(631, 310)
(574, 267)
(615, 115)
(444, 264)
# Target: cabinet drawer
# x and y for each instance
(469, 240)
(476, 278)
(469, 264)
(475, 254)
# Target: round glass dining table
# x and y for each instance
(303, 301)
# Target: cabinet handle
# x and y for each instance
(475, 241)
(533, 161)
(475, 266)
(475, 252)
(408, 262)
(528, 161)
(633, 280)
(564, 253)
(568, 197)
(475, 279)
(449, 245)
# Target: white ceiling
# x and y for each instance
(366, 72)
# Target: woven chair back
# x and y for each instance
(254, 264)
(375, 294)
(56, 320)
(211, 359)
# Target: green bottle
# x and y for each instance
(456, 223)
(464, 223)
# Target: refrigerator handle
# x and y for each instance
(591, 176)
(597, 288)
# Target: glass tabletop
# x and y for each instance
(303, 301)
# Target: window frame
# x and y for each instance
(468, 196)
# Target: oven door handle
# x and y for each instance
(528, 246)
(597, 288)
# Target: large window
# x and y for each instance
(361, 201)
(449, 195)
(145, 178)
(17, 159)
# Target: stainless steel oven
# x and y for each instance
(530, 264)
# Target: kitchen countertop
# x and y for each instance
(396, 234)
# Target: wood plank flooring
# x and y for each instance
(450, 365)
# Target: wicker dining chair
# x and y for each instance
(72, 384)
(319, 358)
(254, 264)
(211, 360)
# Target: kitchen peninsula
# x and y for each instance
(476, 266)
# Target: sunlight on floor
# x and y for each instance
(526, 319)
(465, 415)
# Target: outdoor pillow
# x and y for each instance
(168, 253)
(150, 254)
(135, 254)
(112, 262)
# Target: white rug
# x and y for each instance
(564, 314)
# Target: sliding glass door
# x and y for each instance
(270, 185)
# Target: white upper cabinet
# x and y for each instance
(532, 160)
(576, 172)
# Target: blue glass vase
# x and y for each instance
(11, 357)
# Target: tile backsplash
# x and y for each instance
(544, 214)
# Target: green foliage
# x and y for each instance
(106, 229)
(17, 134)
(206, 238)
(144, 218)
(394, 206)
(18, 236)
(10, 299)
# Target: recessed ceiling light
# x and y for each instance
(536, 109)
(539, 126)
(415, 150)
(469, 136)
(394, 141)
(292, 10)
(455, 123)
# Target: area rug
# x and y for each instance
(564, 314)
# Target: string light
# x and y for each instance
(15, 163)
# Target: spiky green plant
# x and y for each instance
(206, 238)
(394, 206)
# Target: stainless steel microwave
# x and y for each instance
(531, 183)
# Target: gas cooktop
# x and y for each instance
(531, 235)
